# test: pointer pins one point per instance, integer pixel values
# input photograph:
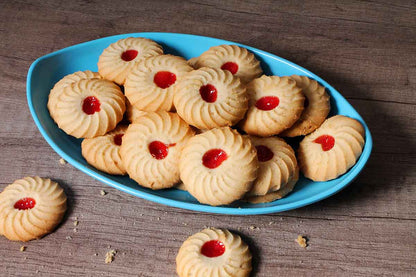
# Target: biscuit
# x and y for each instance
(277, 165)
(331, 149)
(316, 107)
(218, 166)
(237, 60)
(133, 113)
(31, 208)
(118, 59)
(274, 195)
(214, 252)
(102, 152)
(192, 62)
(66, 81)
(89, 108)
(208, 98)
(151, 83)
(151, 148)
(275, 104)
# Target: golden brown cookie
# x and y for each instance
(31, 208)
(237, 60)
(132, 112)
(218, 166)
(151, 148)
(316, 109)
(88, 108)
(214, 252)
(151, 83)
(276, 103)
(331, 149)
(117, 60)
(102, 152)
(208, 98)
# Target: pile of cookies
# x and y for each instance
(213, 122)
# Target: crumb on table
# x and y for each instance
(103, 192)
(22, 248)
(76, 222)
(62, 161)
(109, 256)
(302, 241)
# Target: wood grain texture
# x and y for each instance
(366, 50)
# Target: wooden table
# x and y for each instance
(366, 50)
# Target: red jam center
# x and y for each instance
(264, 153)
(118, 139)
(159, 150)
(129, 55)
(213, 158)
(25, 203)
(208, 93)
(326, 142)
(230, 66)
(164, 79)
(213, 248)
(91, 105)
(267, 103)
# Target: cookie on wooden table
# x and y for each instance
(316, 109)
(218, 166)
(151, 83)
(89, 108)
(331, 149)
(31, 208)
(235, 59)
(118, 59)
(275, 104)
(151, 148)
(214, 252)
(208, 98)
(102, 152)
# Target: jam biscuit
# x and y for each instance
(277, 165)
(118, 59)
(89, 108)
(103, 152)
(207, 98)
(31, 208)
(237, 60)
(274, 195)
(218, 166)
(276, 103)
(332, 149)
(66, 81)
(316, 107)
(150, 85)
(132, 112)
(151, 148)
(214, 252)
(192, 62)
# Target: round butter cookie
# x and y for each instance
(118, 59)
(103, 152)
(66, 81)
(276, 103)
(274, 195)
(31, 208)
(331, 149)
(218, 166)
(214, 252)
(316, 107)
(151, 148)
(277, 165)
(207, 98)
(237, 60)
(150, 85)
(89, 108)
(132, 112)
(192, 62)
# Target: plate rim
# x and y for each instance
(352, 173)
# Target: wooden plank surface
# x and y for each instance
(366, 50)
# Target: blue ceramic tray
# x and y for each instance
(47, 70)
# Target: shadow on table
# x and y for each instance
(71, 199)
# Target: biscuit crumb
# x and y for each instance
(68, 237)
(95, 254)
(103, 192)
(185, 224)
(22, 248)
(271, 222)
(252, 227)
(76, 222)
(109, 256)
(62, 161)
(302, 241)
(158, 218)
(75, 230)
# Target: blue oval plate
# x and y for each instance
(47, 70)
